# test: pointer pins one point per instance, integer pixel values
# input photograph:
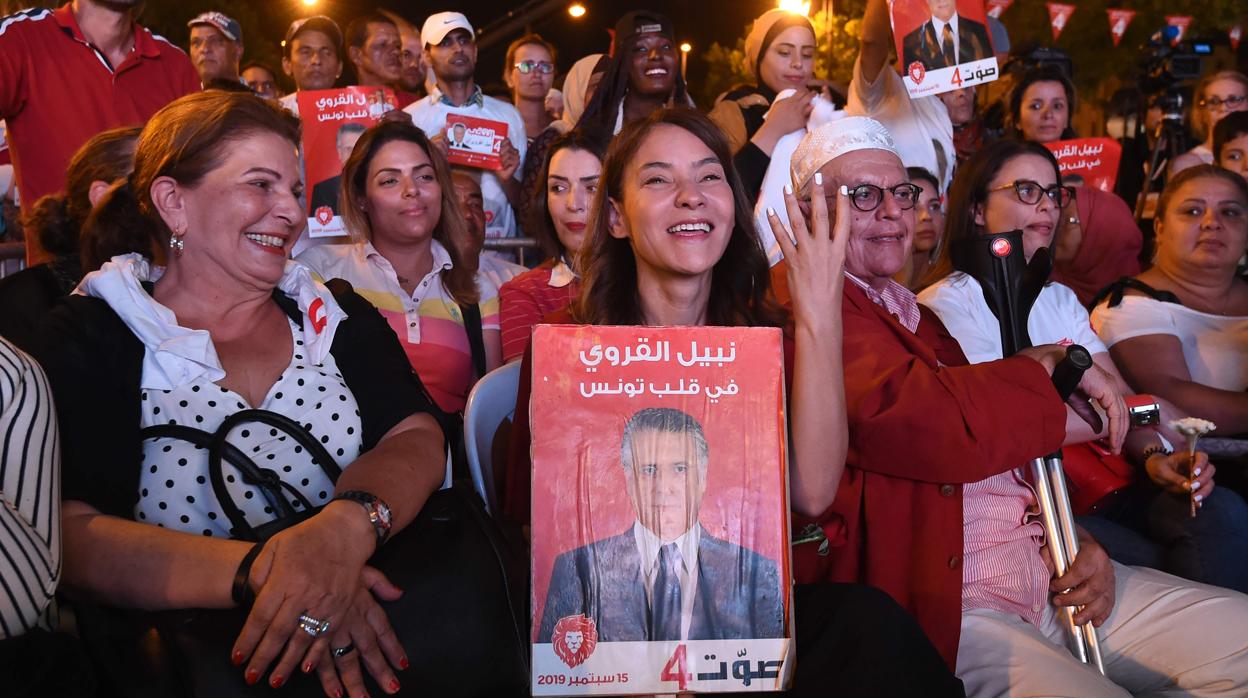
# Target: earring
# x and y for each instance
(176, 243)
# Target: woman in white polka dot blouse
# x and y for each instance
(232, 325)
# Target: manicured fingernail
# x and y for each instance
(394, 685)
(403, 663)
(307, 668)
(1196, 473)
(771, 212)
(788, 190)
(251, 677)
(1199, 497)
(337, 693)
(819, 178)
(844, 190)
(276, 681)
(237, 658)
(1195, 485)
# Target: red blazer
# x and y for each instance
(921, 423)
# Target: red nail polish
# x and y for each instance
(394, 685)
(251, 677)
(403, 663)
(307, 668)
(237, 658)
(277, 681)
(337, 693)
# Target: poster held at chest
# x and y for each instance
(474, 142)
(943, 44)
(333, 120)
(660, 521)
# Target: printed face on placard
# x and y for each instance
(666, 480)
(942, 9)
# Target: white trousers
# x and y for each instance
(1166, 636)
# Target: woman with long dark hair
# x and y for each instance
(1015, 185)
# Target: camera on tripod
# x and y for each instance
(1165, 66)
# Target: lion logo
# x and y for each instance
(917, 72)
(574, 638)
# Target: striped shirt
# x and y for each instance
(428, 321)
(526, 299)
(1001, 565)
(30, 496)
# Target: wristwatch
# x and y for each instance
(1142, 410)
(378, 512)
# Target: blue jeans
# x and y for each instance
(1142, 525)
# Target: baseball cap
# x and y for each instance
(640, 22)
(319, 23)
(225, 24)
(439, 25)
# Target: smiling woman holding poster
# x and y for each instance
(671, 255)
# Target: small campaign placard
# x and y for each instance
(1091, 162)
(660, 530)
(474, 142)
(333, 120)
(943, 44)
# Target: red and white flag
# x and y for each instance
(1118, 22)
(1059, 15)
(996, 8)
(1235, 33)
(1179, 22)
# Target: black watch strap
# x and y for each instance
(378, 511)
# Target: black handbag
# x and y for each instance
(460, 619)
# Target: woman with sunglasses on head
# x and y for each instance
(1097, 240)
(1217, 95)
(1015, 185)
(529, 71)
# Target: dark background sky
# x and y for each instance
(699, 22)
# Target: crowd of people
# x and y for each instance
(174, 295)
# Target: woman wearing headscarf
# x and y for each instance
(780, 55)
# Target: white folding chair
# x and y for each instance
(491, 403)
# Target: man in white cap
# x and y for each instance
(451, 53)
(932, 509)
(216, 47)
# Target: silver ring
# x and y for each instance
(313, 626)
(343, 651)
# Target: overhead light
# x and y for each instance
(686, 47)
(577, 10)
(801, 7)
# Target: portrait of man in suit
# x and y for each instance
(945, 39)
(665, 577)
(325, 192)
(456, 135)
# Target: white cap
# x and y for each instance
(438, 26)
(834, 139)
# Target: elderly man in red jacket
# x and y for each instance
(933, 508)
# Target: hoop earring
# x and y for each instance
(177, 244)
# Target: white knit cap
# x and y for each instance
(832, 140)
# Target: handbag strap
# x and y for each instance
(267, 481)
(1115, 291)
(476, 340)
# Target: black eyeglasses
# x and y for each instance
(543, 67)
(1029, 192)
(1232, 102)
(868, 197)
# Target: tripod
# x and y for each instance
(1167, 142)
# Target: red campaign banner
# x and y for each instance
(943, 45)
(996, 8)
(474, 142)
(1119, 20)
(333, 120)
(1059, 15)
(1235, 33)
(1091, 162)
(659, 475)
(1180, 22)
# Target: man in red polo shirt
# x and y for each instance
(67, 74)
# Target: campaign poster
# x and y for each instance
(660, 529)
(943, 44)
(474, 142)
(1091, 162)
(333, 120)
